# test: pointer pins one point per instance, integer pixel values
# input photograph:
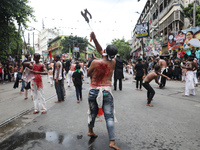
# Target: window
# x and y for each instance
(165, 3)
(161, 7)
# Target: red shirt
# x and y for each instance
(38, 78)
(182, 53)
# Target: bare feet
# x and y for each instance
(140, 89)
(44, 112)
(51, 85)
(57, 101)
(150, 105)
(185, 95)
(136, 88)
(81, 99)
(35, 112)
(113, 145)
(78, 101)
(92, 134)
(25, 98)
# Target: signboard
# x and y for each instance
(76, 49)
(153, 46)
(142, 30)
(185, 39)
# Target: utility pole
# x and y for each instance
(194, 13)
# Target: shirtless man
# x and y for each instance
(189, 83)
(101, 71)
(163, 65)
(150, 91)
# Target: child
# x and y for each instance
(150, 91)
(77, 77)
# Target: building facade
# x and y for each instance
(164, 16)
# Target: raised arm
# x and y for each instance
(98, 46)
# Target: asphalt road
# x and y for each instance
(172, 124)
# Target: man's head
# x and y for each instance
(28, 57)
(157, 68)
(158, 58)
(78, 66)
(191, 57)
(111, 51)
(118, 55)
(36, 57)
(56, 57)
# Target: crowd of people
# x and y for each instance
(177, 66)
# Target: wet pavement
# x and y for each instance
(52, 140)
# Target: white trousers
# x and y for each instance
(195, 77)
(69, 77)
(130, 71)
(51, 79)
(189, 83)
(38, 97)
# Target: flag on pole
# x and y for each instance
(51, 53)
(69, 52)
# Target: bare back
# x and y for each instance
(101, 72)
(152, 75)
(162, 63)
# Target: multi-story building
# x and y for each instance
(44, 37)
(164, 16)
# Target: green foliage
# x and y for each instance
(12, 12)
(73, 41)
(123, 48)
(188, 13)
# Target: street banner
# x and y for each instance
(142, 30)
(153, 47)
(185, 39)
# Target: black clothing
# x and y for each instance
(25, 65)
(163, 79)
(177, 70)
(118, 72)
(67, 65)
(139, 70)
(77, 78)
(150, 92)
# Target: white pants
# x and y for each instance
(183, 77)
(38, 94)
(51, 79)
(15, 75)
(130, 71)
(69, 77)
(195, 77)
(189, 83)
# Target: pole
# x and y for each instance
(29, 43)
(194, 13)
(142, 49)
(33, 44)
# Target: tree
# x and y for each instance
(74, 41)
(123, 48)
(12, 12)
(188, 13)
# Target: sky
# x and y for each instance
(111, 19)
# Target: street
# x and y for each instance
(172, 124)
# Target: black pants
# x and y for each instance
(139, 79)
(59, 90)
(78, 91)
(150, 92)
(120, 84)
(163, 79)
